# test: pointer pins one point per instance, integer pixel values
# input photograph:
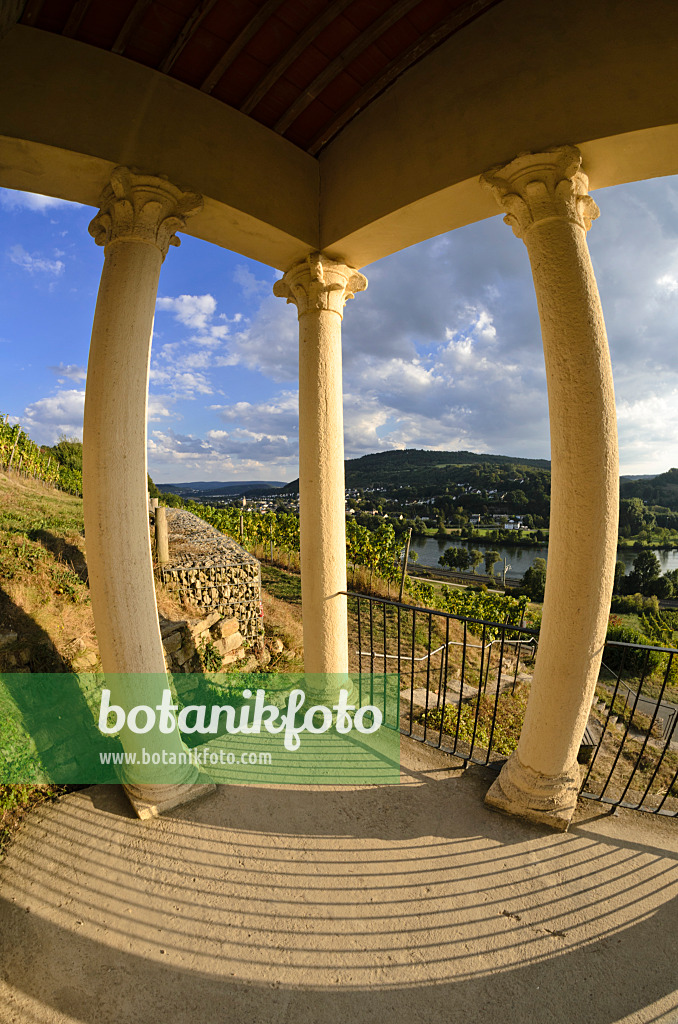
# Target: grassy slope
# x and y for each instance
(44, 599)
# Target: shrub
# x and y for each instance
(633, 661)
(630, 603)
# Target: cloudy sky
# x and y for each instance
(442, 351)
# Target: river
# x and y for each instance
(429, 550)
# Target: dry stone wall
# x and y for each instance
(213, 572)
(191, 643)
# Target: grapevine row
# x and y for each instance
(377, 550)
(19, 454)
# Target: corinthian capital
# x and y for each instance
(319, 283)
(144, 208)
(536, 187)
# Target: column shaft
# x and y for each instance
(321, 493)
(319, 288)
(545, 195)
(114, 462)
(136, 225)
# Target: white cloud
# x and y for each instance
(250, 285)
(668, 283)
(33, 263)
(181, 383)
(14, 200)
(276, 416)
(269, 344)
(238, 454)
(60, 413)
(648, 428)
(192, 310)
(70, 372)
(158, 408)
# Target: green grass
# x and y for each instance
(509, 720)
(15, 801)
(284, 585)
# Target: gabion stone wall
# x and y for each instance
(214, 572)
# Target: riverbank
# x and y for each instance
(520, 558)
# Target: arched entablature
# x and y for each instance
(523, 77)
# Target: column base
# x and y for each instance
(543, 799)
(150, 801)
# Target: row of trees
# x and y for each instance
(465, 559)
(645, 578)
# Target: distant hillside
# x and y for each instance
(426, 471)
(196, 488)
(659, 490)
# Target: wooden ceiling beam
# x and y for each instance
(31, 12)
(397, 66)
(78, 12)
(290, 55)
(186, 34)
(348, 54)
(239, 44)
(132, 22)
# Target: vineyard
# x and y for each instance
(20, 455)
(378, 551)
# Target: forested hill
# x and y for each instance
(426, 471)
(659, 490)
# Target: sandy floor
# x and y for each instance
(400, 903)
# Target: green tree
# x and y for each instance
(490, 558)
(662, 588)
(646, 569)
(455, 558)
(475, 557)
(619, 574)
(534, 580)
(68, 451)
(631, 516)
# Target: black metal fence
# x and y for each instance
(459, 677)
(464, 685)
(634, 762)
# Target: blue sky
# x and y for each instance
(442, 351)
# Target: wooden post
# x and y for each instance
(161, 536)
(407, 555)
(9, 464)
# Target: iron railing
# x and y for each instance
(464, 685)
(455, 673)
(634, 762)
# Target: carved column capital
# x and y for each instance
(319, 283)
(143, 208)
(537, 187)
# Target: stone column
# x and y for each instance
(136, 224)
(319, 287)
(547, 205)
